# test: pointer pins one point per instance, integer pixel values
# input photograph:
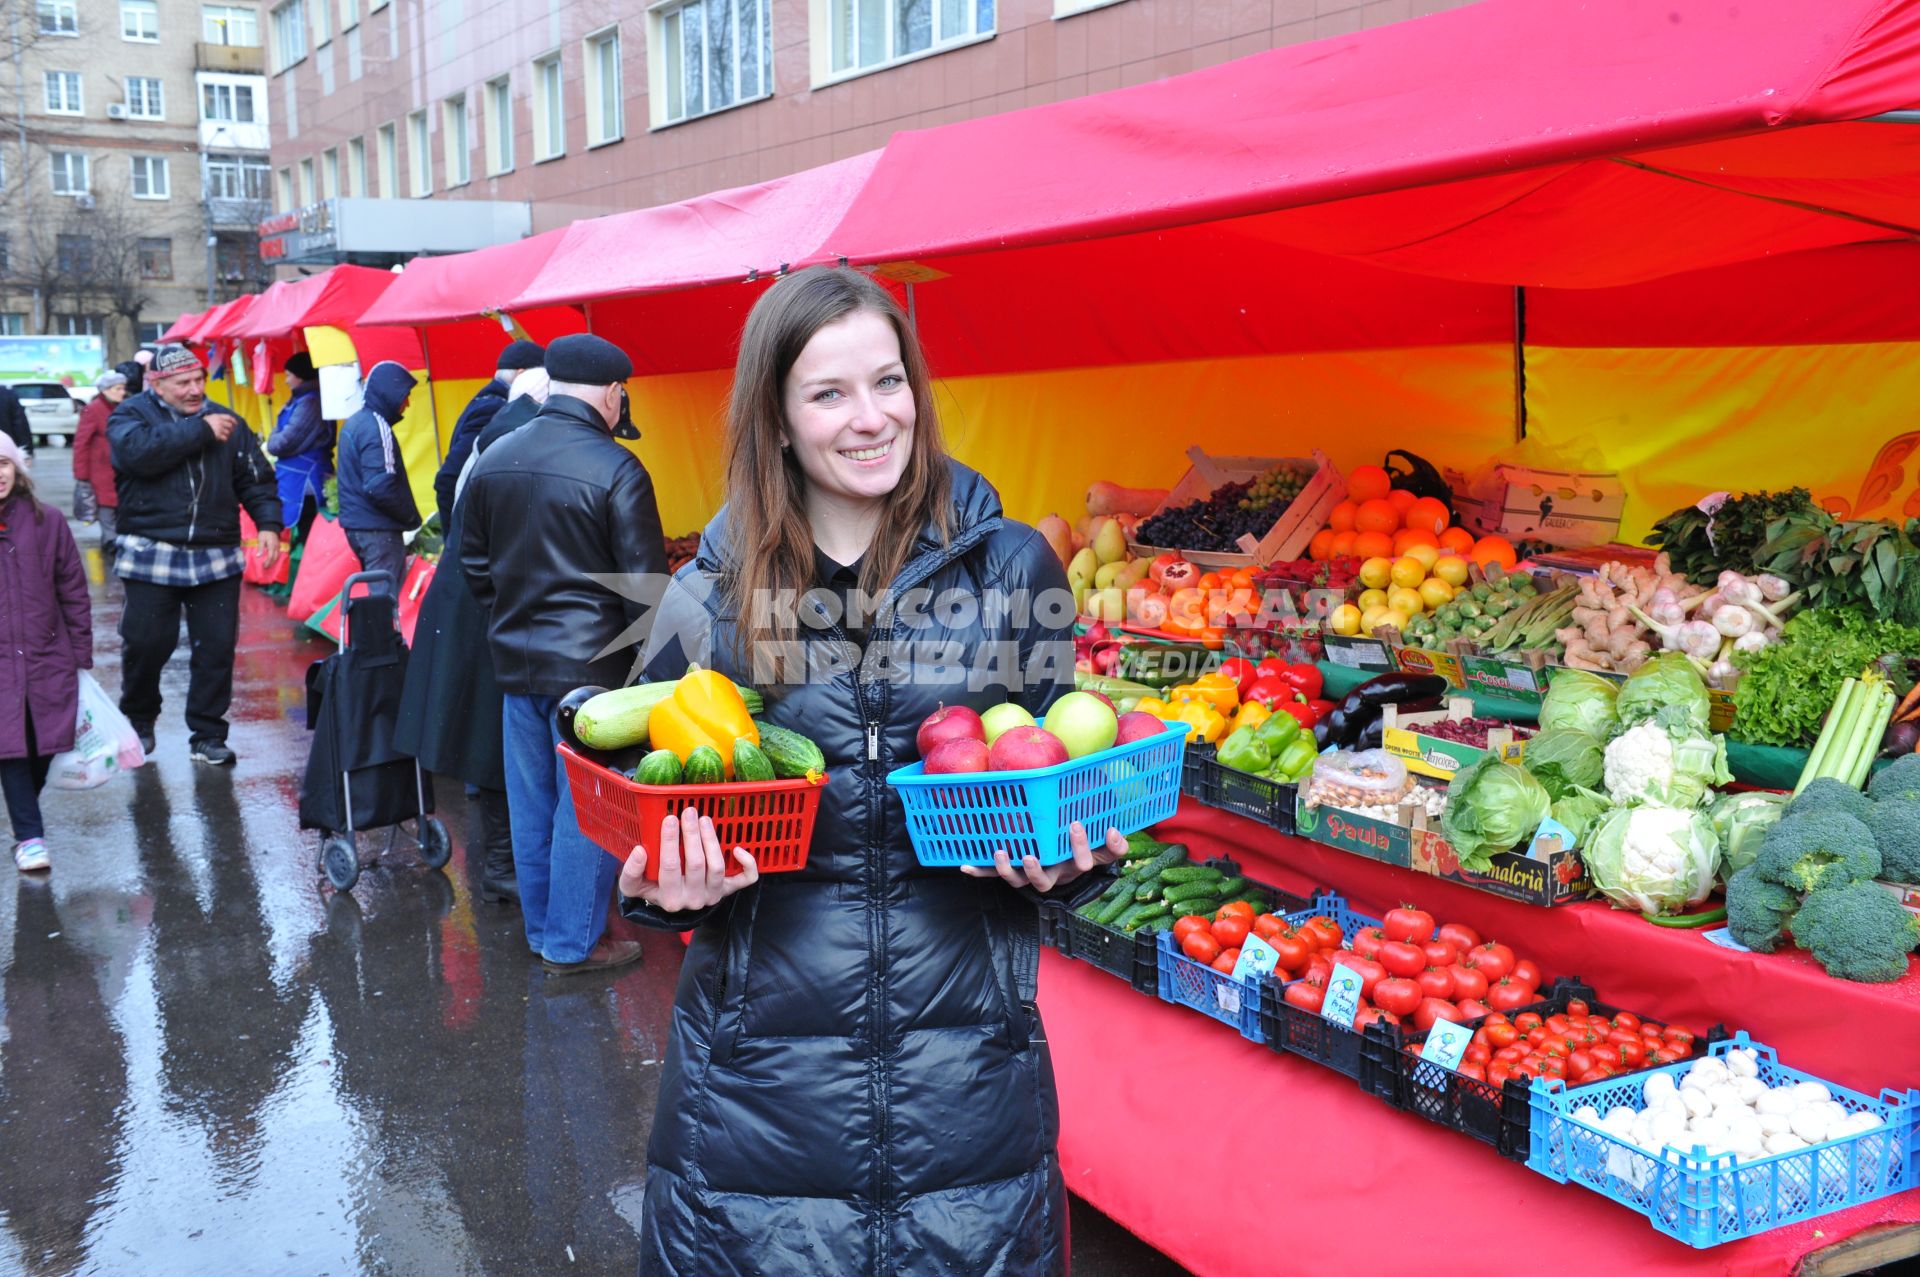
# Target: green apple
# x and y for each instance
(1084, 723)
(1004, 718)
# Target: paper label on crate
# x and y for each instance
(1625, 1163)
(1723, 936)
(1445, 1045)
(1342, 1002)
(1360, 654)
(1226, 996)
(1257, 960)
(1550, 837)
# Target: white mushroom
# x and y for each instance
(1811, 1093)
(1743, 1062)
(1781, 1099)
(1750, 1089)
(1812, 1124)
(1775, 1123)
(1698, 1105)
(1657, 1087)
(1786, 1142)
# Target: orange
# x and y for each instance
(1402, 500)
(1321, 547)
(1456, 541)
(1494, 550)
(1430, 515)
(1341, 520)
(1372, 545)
(1342, 546)
(1406, 538)
(1368, 483)
(1377, 515)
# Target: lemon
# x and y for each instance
(1375, 573)
(1427, 554)
(1435, 592)
(1399, 620)
(1408, 601)
(1374, 616)
(1452, 569)
(1346, 619)
(1408, 572)
(1372, 598)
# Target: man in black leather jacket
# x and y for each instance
(549, 512)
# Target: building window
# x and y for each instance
(289, 33)
(322, 24)
(63, 93)
(330, 173)
(349, 14)
(140, 20)
(604, 111)
(239, 177)
(149, 334)
(283, 187)
(6, 252)
(307, 184)
(82, 325)
(73, 254)
(69, 172)
(419, 165)
(150, 178)
(549, 110)
(145, 99)
(156, 258)
(231, 103)
(709, 55)
(229, 24)
(499, 108)
(453, 140)
(59, 17)
(357, 167)
(13, 324)
(869, 33)
(388, 143)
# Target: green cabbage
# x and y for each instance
(1579, 700)
(1669, 682)
(1658, 860)
(1492, 806)
(1579, 811)
(1741, 821)
(1564, 759)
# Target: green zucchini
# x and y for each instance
(618, 719)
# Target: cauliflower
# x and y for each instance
(1636, 761)
(1652, 858)
(1665, 763)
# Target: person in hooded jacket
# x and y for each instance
(302, 446)
(376, 501)
(856, 1080)
(490, 399)
(93, 459)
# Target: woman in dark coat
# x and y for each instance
(46, 639)
(857, 1081)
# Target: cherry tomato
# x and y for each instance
(1678, 1050)
(1408, 924)
(1507, 995)
(1674, 1033)
(1526, 973)
(1579, 1063)
(1367, 943)
(1398, 995)
(1402, 959)
(1235, 909)
(1224, 963)
(1468, 982)
(1493, 959)
(1558, 1024)
(1200, 946)
(1633, 1054)
(1459, 935)
(1435, 982)
(1578, 1007)
(1188, 925)
(1231, 929)
(1306, 995)
(1626, 1020)
(1527, 1021)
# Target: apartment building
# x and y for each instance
(136, 171)
(585, 107)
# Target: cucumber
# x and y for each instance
(661, 767)
(750, 762)
(793, 756)
(1147, 891)
(1197, 907)
(1144, 844)
(1167, 859)
(1190, 891)
(1191, 873)
(617, 719)
(1144, 916)
(704, 767)
(1228, 888)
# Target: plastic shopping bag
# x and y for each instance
(104, 743)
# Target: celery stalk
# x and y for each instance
(1830, 734)
(1877, 721)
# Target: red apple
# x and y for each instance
(958, 754)
(948, 722)
(1102, 697)
(1137, 725)
(1021, 748)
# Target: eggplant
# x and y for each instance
(620, 760)
(1394, 689)
(1371, 735)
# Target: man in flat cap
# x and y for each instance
(546, 512)
(183, 469)
(514, 360)
(302, 446)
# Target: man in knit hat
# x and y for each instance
(514, 360)
(376, 501)
(183, 469)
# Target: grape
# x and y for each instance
(1247, 507)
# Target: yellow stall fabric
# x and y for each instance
(415, 430)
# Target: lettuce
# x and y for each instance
(1580, 701)
(1565, 759)
(1492, 806)
(1668, 682)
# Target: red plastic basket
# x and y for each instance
(772, 819)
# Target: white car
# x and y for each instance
(52, 413)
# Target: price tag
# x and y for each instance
(1342, 1002)
(1446, 1043)
(1257, 960)
(1226, 996)
(1724, 938)
(1544, 845)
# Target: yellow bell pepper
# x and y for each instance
(1154, 706)
(1203, 721)
(1216, 690)
(705, 709)
(1252, 714)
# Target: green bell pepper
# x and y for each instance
(1295, 759)
(1277, 731)
(1244, 752)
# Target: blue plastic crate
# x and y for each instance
(962, 819)
(1704, 1201)
(1187, 983)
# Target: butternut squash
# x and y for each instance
(1105, 498)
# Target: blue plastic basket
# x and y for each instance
(962, 819)
(1704, 1201)
(1187, 983)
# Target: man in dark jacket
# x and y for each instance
(302, 447)
(376, 501)
(547, 512)
(183, 471)
(13, 419)
(516, 358)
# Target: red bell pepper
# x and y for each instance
(1269, 690)
(1298, 709)
(1321, 708)
(1306, 679)
(1242, 671)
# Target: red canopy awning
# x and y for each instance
(215, 324)
(457, 286)
(182, 327)
(337, 297)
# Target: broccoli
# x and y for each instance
(1857, 931)
(1895, 823)
(1817, 849)
(1827, 794)
(1758, 910)
(1898, 779)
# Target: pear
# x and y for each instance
(1106, 605)
(1080, 571)
(1109, 541)
(1134, 572)
(1109, 574)
(1058, 535)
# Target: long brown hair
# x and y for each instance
(771, 540)
(23, 489)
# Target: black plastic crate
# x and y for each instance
(1293, 1030)
(1257, 798)
(1190, 767)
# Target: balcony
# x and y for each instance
(235, 59)
(236, 214)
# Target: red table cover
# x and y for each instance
(1301, 1162)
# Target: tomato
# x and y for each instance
(1459, 935)
(1402, 959)
(1472, 1009)
(1325, 931)
(1633, 1054)
(1233, 909)
(1468, 982)
(1501, 1033)
(1367, 943)
(1476, 1054)
(1409, 924)
(1398, 995)
(1506, 995)
(1579, 1063)
(1319, 966)
(1370, 973)
(1472, 1072)
(1657, 1056)
(1553, 1066)
(1493, 959)
(1602, 1071)
(1526, 973)
(1557, 1048)
(1578, 1009)
(1527, 1068)
(1498, 1073)
(1678, 1050)
(1674, 1033)
(1268, 926)
(1432, 1009)
(1527, 1021)
(1294, 951)
(1510, 1054)
(1373, 1015)
(1188, 925)
(1231, 929)
(1435, 982)
(1626, 1020)
(1200, 946)
(1306, 995)
(1224, 963)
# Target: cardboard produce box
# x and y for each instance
(1429, 755)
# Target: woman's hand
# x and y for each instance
(701, 882)
(1031, 873)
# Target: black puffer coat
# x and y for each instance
(857, 1081)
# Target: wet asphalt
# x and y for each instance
(212, 1063)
